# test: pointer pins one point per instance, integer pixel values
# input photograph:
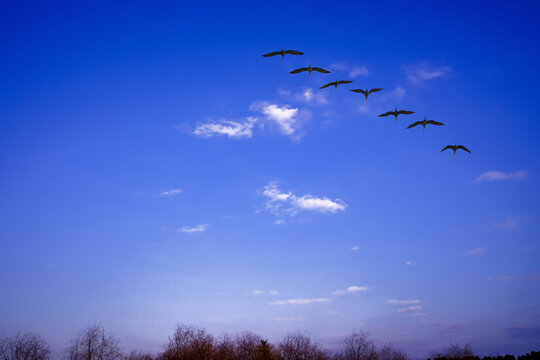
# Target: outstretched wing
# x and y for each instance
(272, 54)
(386, 114)
(373, 90)
(320, 70)
(405, 112)
(298, 70)
(327, 85)
(345, 81)
(433, 122)
(359, 91)
(451, 147)
(414, 124)
(294, 52)
(464, 148)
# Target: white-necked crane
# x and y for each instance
(396, 113)
(336, 83)
(366, 92)
(455, 148)
(283, 52)
(424, 123)
(309, 69)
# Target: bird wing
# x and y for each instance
(345, 81)
(433, 122)
(359, 91)
(448, 147)
(274, 53)
(299, 70)
(414, 124)
(294, 52)
(386, 114)
(464, 148)
(373, 90)
(327, 85)
(320, 70)
(405, 112)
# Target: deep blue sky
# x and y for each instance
(122, 205)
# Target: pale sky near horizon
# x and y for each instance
(155, 169)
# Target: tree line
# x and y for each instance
(192, 343)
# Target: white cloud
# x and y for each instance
(198, 228)
(410, 262)
(359, 70)
(298, 301)
(403, 302)
(274, 292)
(256, 292)
(170, 192)
(419, 73)
(476, 251)
(399, 92)
(231, 129)
(355, 248)
(284, 116)
(281, 203)
(410, 308)
(502, 176)
(350, 290)
(339, 66)
(314, 97)
(510, 222)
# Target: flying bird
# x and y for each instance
(424, 123)
(283, 52)
(309, 70)
(455, 148)
(366, 92)
(396, 113)
(336, 83)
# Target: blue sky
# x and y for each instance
(156, 169)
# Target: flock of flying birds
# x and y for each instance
(365, 92)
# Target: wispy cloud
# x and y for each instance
(256, 292)
(476, 252)
(491, 176)
(419, 73)
(358, 70)
(410, 309)
(350, 290)
(194, 229)
(298, 301)
(281, 203)
(402, 302)
(170, 192)
(510, 222)
(355, 248)
(410, 262)
(353, 70)
(309, 96)
(231, 129)
(287, 118)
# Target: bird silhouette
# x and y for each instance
(336, 83)
(424, 123)
(283, 52)
(396, 113)
(455, 148)
(309, 69)
(366, 92)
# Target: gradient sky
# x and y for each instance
(155, 169)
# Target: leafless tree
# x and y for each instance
(300, 347)
(24, 346)
(387, 352)
(358, 346)
(189, 343)
(224, 348)
(246, 346)
(455, 351)
(137, 355)
(93, 344)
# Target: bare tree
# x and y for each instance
(137, 355)
(455, 351)
(300, 347)
(246, 346)
(387, 352)
(224, 348)
(93, 344)
(358, 346)
(189, 343)
(24, 346)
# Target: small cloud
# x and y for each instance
(355, 248)
(402, 302)
(410, 262)
(274, 292)
(476, 252)
(350, 290)
(532, 277)
(314, 97)
(194, 229)
(171, 192)
(410, 309)
(284, 116)
(510, 222)
(298, 301)
(256, 292)
(359, 70)
(418, 74)
(231, 129)
(491, 176)
(339, 66)
(399, 92)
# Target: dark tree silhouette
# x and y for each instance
(24, 346)
(300, 347)
(93, 344)
(189, 343)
